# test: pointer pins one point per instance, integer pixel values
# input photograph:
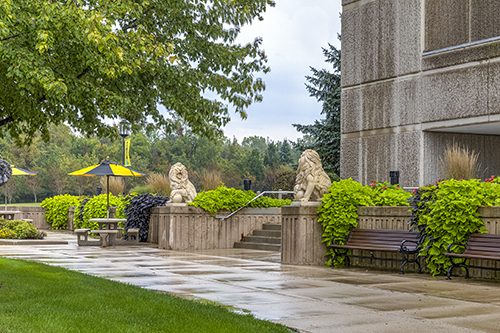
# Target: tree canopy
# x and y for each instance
(81, 62)
(224, 161)
(324, 135)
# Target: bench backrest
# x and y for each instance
(483, 243)
(381, 236)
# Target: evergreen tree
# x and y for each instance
(325, 133)
(272, 157)
(286, 153)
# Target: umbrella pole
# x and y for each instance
(107, 185)
(5, 196)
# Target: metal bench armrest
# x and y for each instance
(335, 238)
(403, 248)
(449, 250)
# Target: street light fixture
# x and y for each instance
(124, 131)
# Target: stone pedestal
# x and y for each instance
(301, 235)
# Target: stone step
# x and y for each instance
(271, 226)
(257, 246)
(262, 239)
(267, 233)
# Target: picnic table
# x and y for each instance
(108, 223)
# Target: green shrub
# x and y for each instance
(57, 209)
(17, 229)
(224, 198)
(338, 211)
(384, 194)
(447, 213)
(96, 207)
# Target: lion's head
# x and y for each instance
(178, 176)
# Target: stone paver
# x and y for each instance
(307, 298)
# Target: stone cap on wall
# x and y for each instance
(182, 208)
(493, 211)
(384, 211)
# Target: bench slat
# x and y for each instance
(369, 247)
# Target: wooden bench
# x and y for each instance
(478, 246)
(400, 241)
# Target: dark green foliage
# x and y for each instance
(255, 164)
(285, 179)
(272, 157)
(57, 208)
(325, 133)
(419, 202)
(79, 210)
(224, 198)
(286, 153)
(18, 229)
(138, 212)
(338, 210)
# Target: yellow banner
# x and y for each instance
(127, 150)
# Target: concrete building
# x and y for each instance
(418, 75)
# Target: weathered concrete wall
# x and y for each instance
(466, 21)
(369, 159)
(180, 227)
(301, 235)
(380, 40)
(37, 214)
(395, 93)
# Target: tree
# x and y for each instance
(254, 141)
(286, 153)
(34, 184)
(255, 164)
(83, 61)
(325, 133)
(272, 157)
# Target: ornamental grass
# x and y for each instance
(158, 183)
(459, 162)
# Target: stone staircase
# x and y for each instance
(268, 238)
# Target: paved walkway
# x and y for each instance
(310, 299)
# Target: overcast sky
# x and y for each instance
(293, 32)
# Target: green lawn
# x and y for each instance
(29, 204)
(36, 297)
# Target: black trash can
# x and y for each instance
(394, 175)
(247, 184)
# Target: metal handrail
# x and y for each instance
(256, 197)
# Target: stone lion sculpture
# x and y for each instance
(182, 189)
(311, 181)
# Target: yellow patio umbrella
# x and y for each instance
(107, 168)
(17, 172)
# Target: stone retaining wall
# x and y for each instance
(180, 227)
(37, 214)
(302, 237)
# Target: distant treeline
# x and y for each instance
(269, 164)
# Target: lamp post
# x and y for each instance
(124, 131)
